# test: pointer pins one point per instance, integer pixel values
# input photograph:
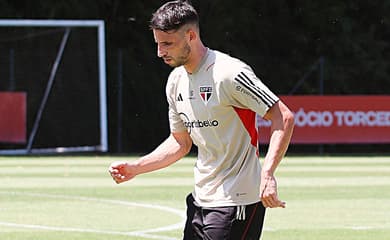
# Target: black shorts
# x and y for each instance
(223, 223)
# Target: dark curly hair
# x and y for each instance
(173, 15)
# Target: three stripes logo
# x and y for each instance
(205, 93)
(254, 90)
(179, 98)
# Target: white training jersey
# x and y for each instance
(217, 105)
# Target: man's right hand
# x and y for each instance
(122, 171)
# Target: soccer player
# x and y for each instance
(213, 101)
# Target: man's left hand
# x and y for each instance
(268, 193)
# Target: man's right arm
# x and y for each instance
(176, 146)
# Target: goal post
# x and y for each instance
(63, 29)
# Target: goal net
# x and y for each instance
(53, 77)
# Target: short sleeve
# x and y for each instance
(250, 92)
(175, 122)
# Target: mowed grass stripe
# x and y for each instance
(336, 161)
(327, 234)
(294, 174)
(316, 193)
(326, 168)
(339, 198)
(89, 178)
(77, 160)
(80, 167)
(304, 167)
(60, 210)
(53, 161)
(324, 199)
(337, 213)
(79, 182)
(98, 169)
(334, 181)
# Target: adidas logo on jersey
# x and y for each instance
(179, 98)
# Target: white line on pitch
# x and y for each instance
(142, 233)
(82, 230)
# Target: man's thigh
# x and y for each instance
(251, 226)
(214, 223)
(223, 222)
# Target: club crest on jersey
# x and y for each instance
(205, 93)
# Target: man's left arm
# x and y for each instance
(282, 124)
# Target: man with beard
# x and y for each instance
(213, 102)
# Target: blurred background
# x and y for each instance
(295, 47)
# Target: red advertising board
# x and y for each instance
(12, 117)
(336, 119)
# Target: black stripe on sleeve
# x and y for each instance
(262, 92)
(257, 91)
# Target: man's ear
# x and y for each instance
(192, 34)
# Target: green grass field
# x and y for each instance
(66, 198)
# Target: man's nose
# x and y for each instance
(161, 52)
